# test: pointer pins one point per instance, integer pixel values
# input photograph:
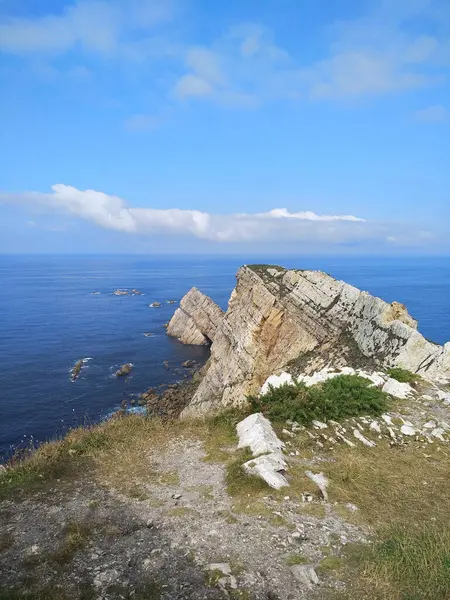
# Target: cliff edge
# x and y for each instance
(298, 321)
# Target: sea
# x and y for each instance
(50, 318)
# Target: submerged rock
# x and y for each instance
(155, 305)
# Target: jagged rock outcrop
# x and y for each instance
(300, 321)
(196, 320)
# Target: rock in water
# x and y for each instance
(75, 372)
(196, 320)
(124, 370)
(278, 319)
(155, 305)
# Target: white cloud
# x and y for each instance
(192, 85)
(378, 53)
(432, 114)
(96, 25)
(112, 212)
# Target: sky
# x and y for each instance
(173, 126)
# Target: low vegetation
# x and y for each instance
(339, 398)
(403, 375)
(403, 495)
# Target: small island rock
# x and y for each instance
(124, 370)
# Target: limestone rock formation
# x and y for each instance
(298, 321)
(196, 320)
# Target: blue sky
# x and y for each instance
(201, 126)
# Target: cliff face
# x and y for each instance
(298, 320)
(197, 319)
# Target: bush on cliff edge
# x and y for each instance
(339, 398)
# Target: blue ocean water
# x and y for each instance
(49, 319)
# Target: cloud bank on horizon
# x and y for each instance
(111, 212)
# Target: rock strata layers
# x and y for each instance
(297, 321)
(196, 320)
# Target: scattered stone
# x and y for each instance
(307, 497)
(345, 440)
(408, 430)
(374, 426)
(306, 575)
(438, 433)
(150, 524)
(121, 293)
(359, 436)
(155, 305)
(321, 481)
(177, 496)
(166, 364)
(319, 425)
(430, 425)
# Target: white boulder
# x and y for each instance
(256, 433)
(276, 381)
(270, 467)
(397, 389)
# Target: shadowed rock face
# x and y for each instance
(288, 319)
(197, 319)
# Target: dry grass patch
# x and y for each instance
(403, 494)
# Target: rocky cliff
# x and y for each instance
(298, 321)
(197, 319)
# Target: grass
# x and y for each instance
(402, 375)
(403, 495)
(52, 460)
(296, 559)
(240, 483)
(339, 398)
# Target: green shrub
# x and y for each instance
(338, 398)
(402, 375)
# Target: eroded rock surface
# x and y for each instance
(196, 320)
(299, 321)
